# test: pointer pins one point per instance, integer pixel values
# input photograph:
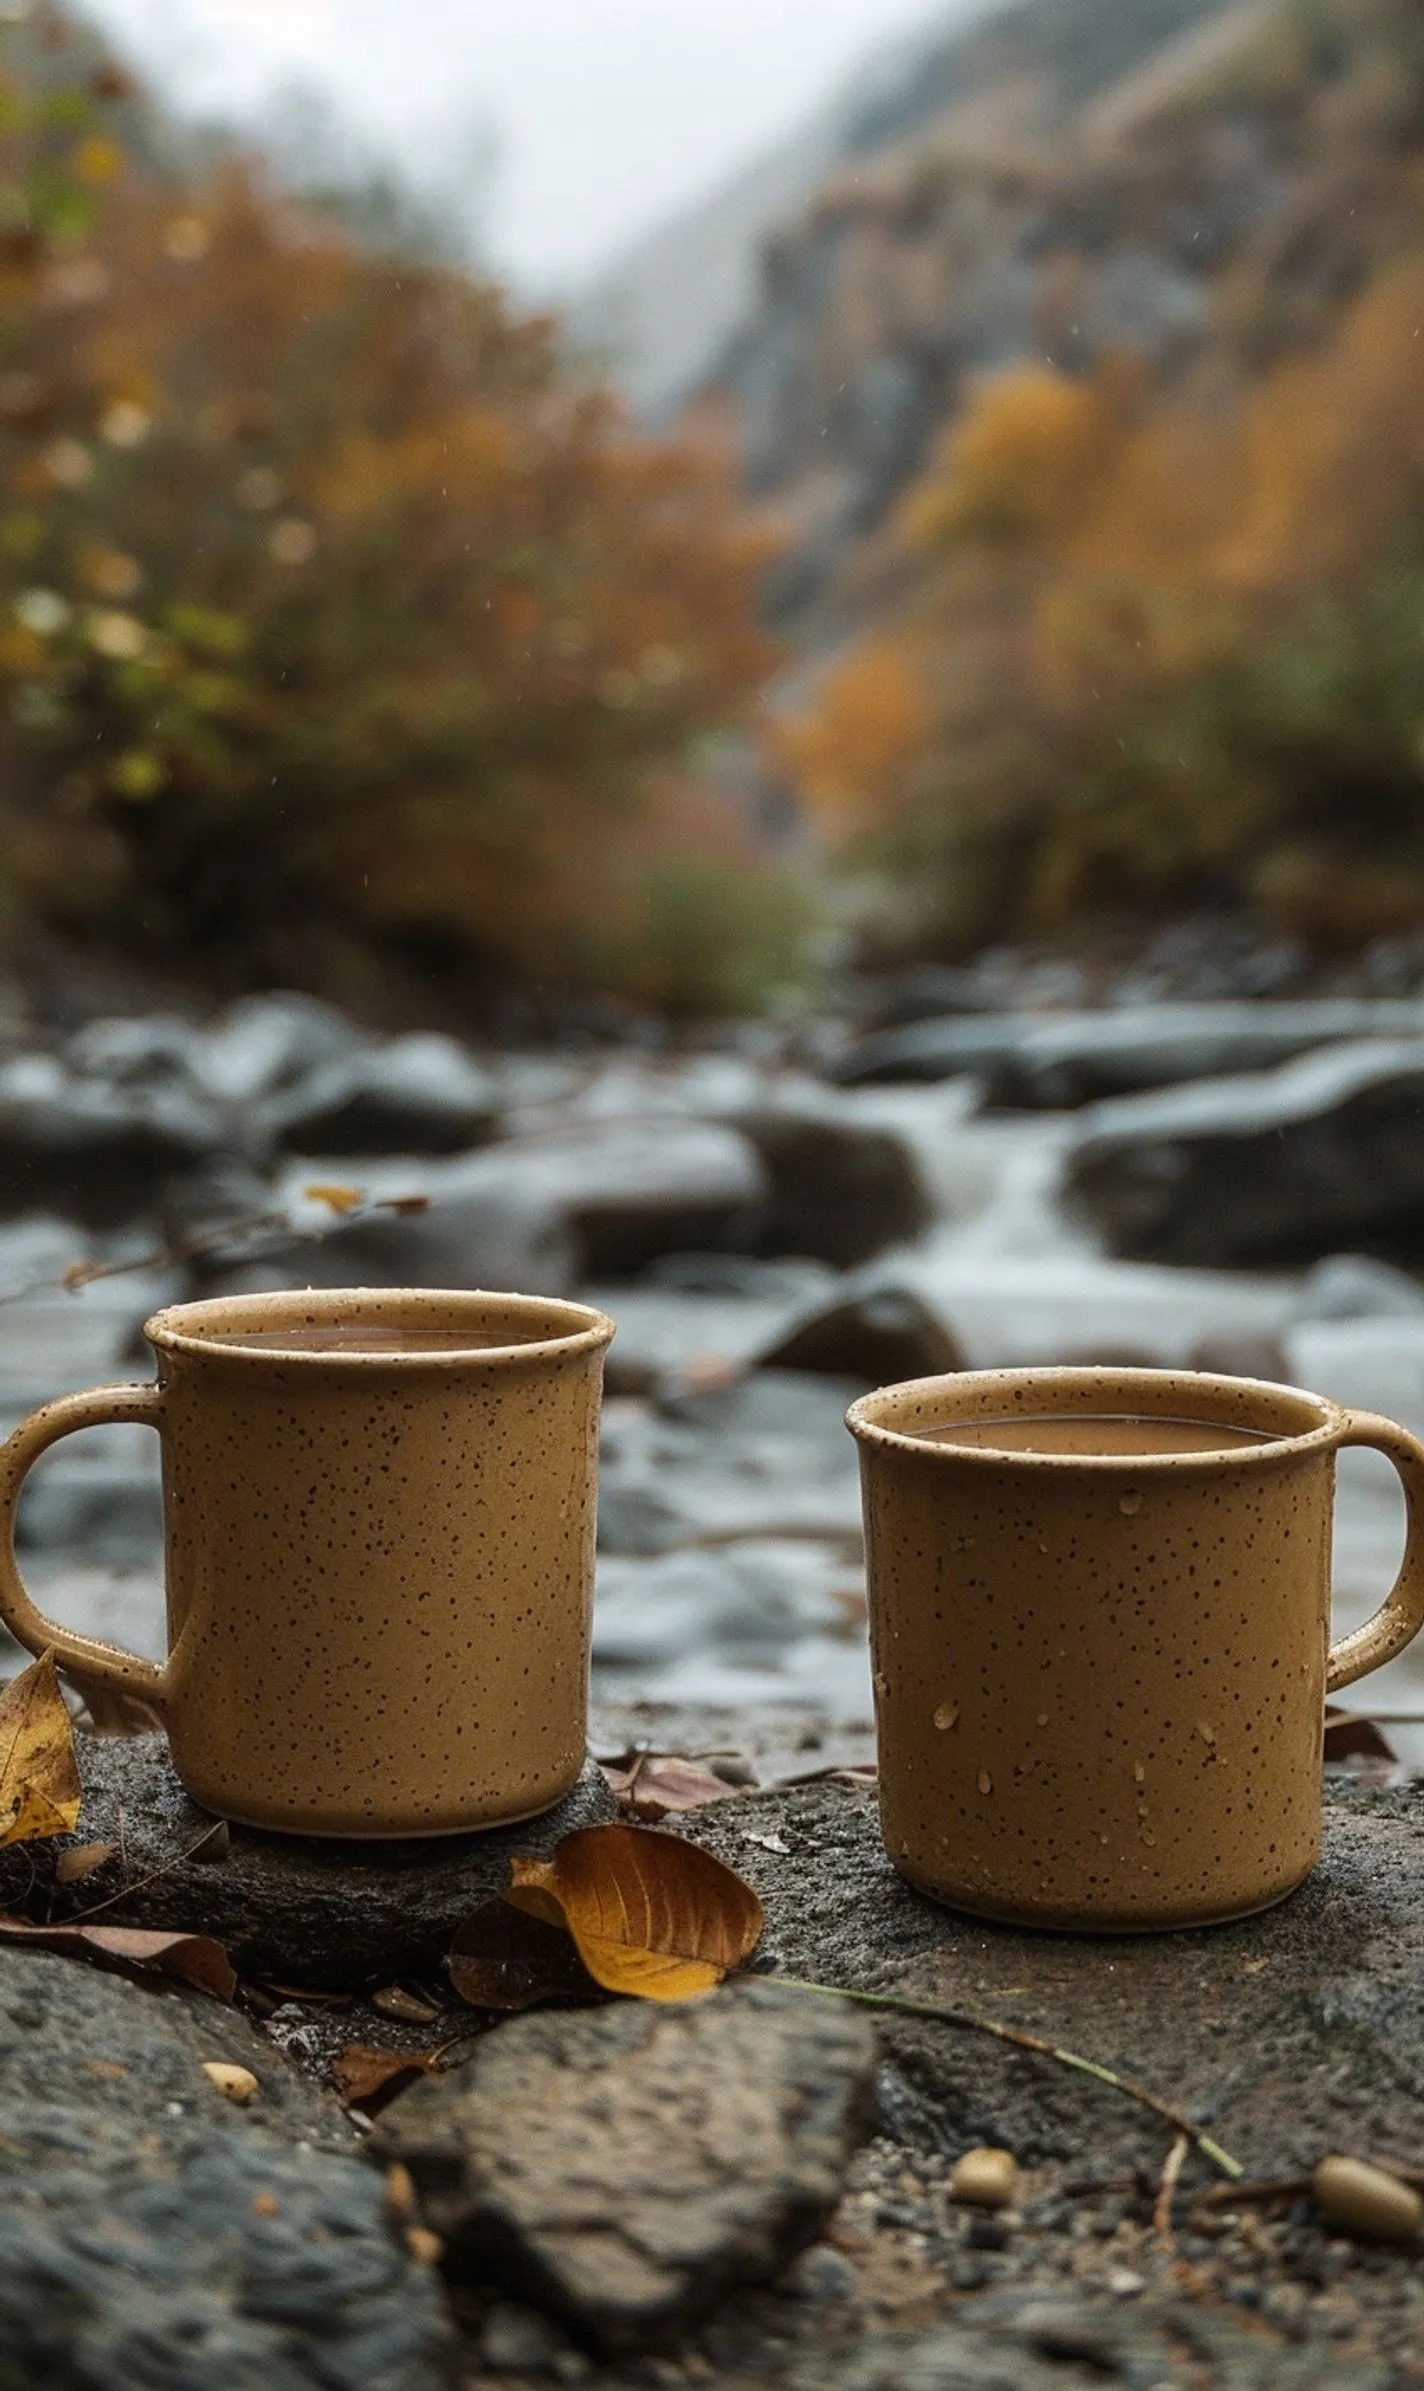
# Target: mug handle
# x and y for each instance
(1399, 1621)
(87, 1656)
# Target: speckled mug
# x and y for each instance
(379, 1564)
(1100, 1681)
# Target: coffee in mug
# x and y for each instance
(1099, 1607)
(379, 1533)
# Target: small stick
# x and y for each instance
(1273, 2188)
(1024, 2041)
(77, 1916)
(1167, 2189)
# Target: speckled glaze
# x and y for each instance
(379, 1566)
(1100, 1683)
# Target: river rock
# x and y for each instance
(1272, 2031)
(153, 2235)
(93, 1150)
(1058, 2340)
(874, 1337)
(416, 1095)
(342, 1915)
(1356, 1287)
(625, 2166)
(263, 1045)
(1057, 1061)
(838, 1190)
(1279, 1165)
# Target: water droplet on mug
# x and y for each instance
(986, 1782)
(1139, 1773)
(1207, 1734)
(1130, 1502)
(1149, 1840)
(1043, 1718)
(946, 1715)
(881, 1685)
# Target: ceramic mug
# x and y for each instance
(379, 1558)
(1100, 1677)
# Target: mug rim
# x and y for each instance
(178, 1327)
(1331, 1420)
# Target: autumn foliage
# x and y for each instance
(347, 631)
(1164, 645)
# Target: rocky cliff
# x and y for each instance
(1189, 185)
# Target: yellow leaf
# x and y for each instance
(340, 1199)
(39, 1775)
(650, 1914)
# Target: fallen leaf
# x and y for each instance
(237, 2084)
(650, 1914)
(662, 1785)
(410, 2009)
(192, 1958)
(368, 2080)
(338, 1199)
(39, 1775)
(74, 1865)
(776, 1843)
(509, 1959)
(402, 1204)
(215, 1846)
(425, 2247)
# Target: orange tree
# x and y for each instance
(346, 627)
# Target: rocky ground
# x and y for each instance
(754, 2190)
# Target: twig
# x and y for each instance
(176, 1861)
(1265, 2192)
(1167, 2189)
(211, 1245)
(970, 2022)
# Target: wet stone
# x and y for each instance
(153, 2235)
(623, 2167)
(342, 1915)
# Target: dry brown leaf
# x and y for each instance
(509, 1959)
(82, 1860)
(39, 1775)
(662, 1784)
(336, 1198)
(192, 1958)
(650, 1914)
(367, 2079)
(407, 2007)
(402, 1204)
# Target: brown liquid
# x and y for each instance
(1090, 1432)
(364, 1336)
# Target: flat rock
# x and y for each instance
(343, 1915)
(625, 2166)
(1288, 2034)
(1046, 1062)
(1037, 2341)
(154, 2235)
(1282, 1165)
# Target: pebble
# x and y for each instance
(985, 2179)
(234, 2083)
(1367, 2203)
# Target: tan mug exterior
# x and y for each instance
(379, 1566)
(1100, 1682)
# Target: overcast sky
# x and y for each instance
(609, 113)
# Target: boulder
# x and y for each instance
(337, 1914)
(152, 2234)
(265, 1044)
(626, 2166)
(94, 1150)
(1053, 1062)
(1282, 1165)
(875, 1337)
(838, 1190)
(417, 1095)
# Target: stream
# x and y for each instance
(730, 1567)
